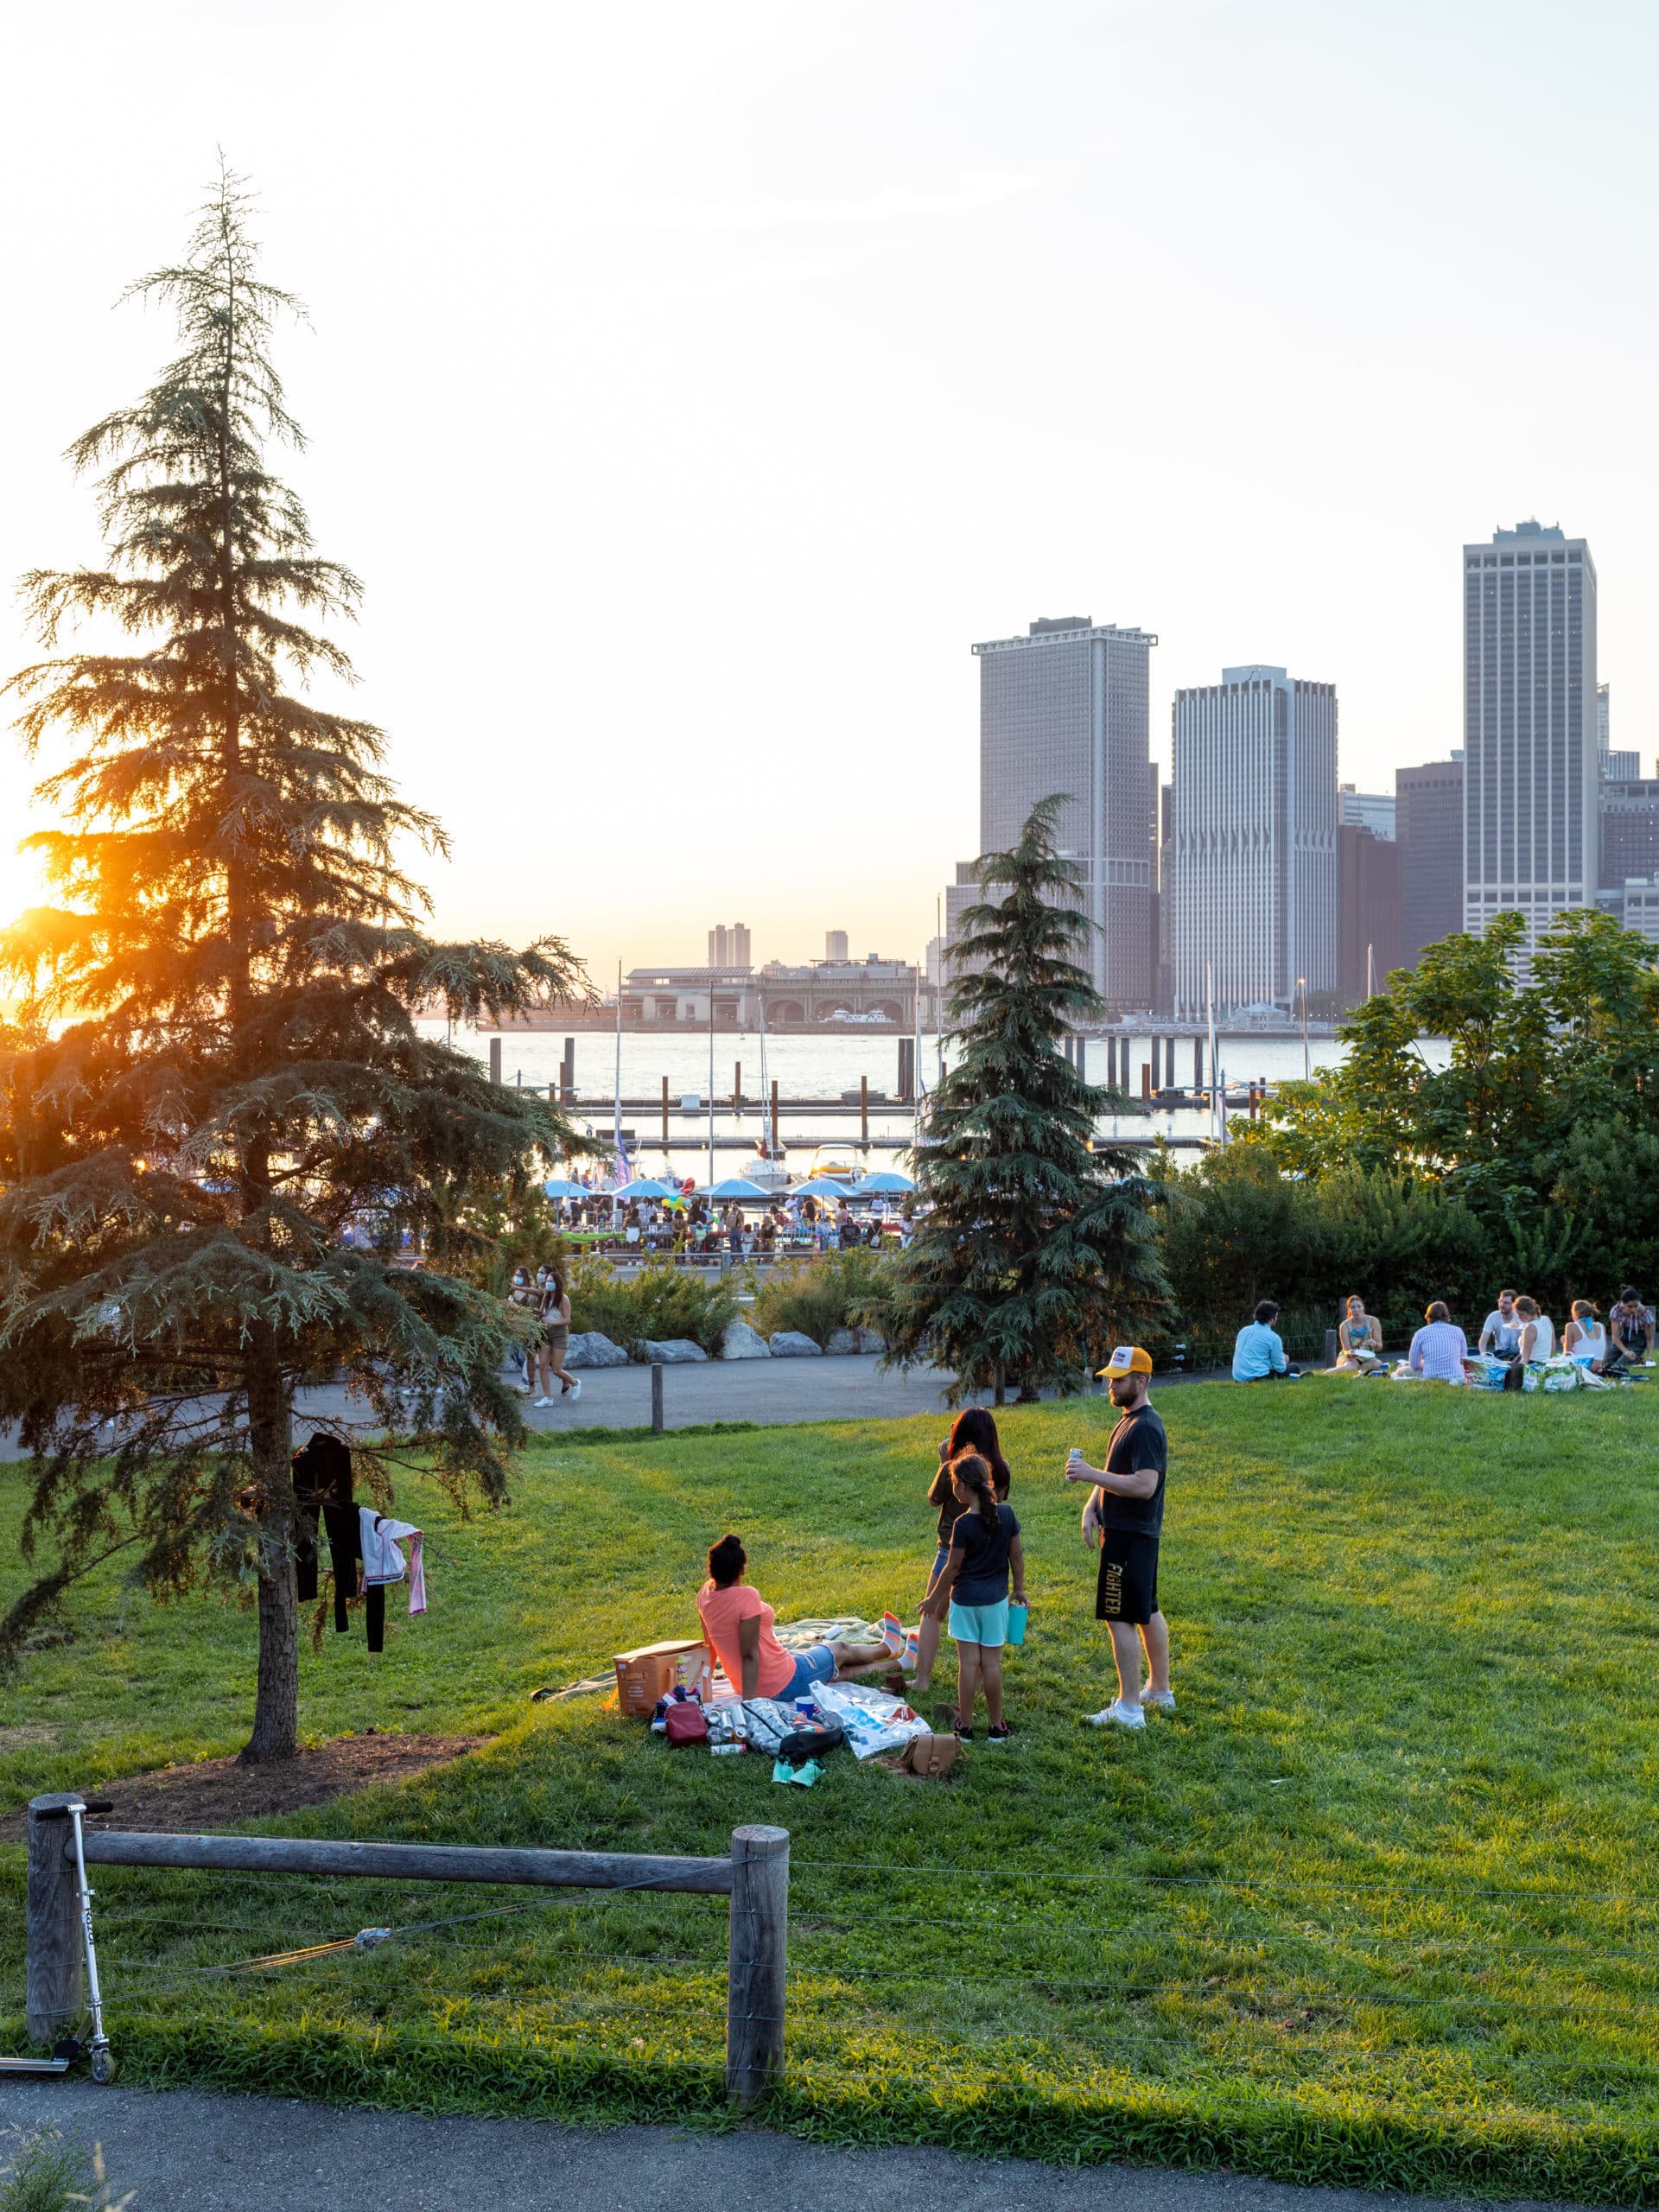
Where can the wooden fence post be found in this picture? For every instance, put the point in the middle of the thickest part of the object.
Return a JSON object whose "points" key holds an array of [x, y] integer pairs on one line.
{"points": [[53, 2002], [656, 1397], [758, 1961], [1332, 1345]]}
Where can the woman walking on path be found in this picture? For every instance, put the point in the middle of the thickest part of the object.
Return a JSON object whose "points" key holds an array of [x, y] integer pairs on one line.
{"points": [[556, 1337], [984, 1555], [973, 1430]]}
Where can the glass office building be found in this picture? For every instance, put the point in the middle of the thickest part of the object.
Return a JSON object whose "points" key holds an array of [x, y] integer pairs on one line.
{"points": [[1064, 710], [1531, 756]]}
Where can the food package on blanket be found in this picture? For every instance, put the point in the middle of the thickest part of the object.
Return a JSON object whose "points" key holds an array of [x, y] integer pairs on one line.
{"points": [[761, 1723], [654, 1671], [874, 1720]]}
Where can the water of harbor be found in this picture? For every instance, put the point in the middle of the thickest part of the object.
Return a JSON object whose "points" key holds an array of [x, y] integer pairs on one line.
{"points": [[826, 1067]]}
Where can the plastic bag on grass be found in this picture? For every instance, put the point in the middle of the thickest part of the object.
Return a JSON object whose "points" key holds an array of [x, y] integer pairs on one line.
{"points": [[874, 1721]]}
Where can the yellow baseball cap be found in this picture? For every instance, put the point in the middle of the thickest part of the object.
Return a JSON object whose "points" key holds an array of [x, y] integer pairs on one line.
{"points": [[1127, 1359]]}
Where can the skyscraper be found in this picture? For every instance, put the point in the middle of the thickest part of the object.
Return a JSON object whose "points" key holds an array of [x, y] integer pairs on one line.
{"points": [[1253, 852], [729, 947], [1531, 760], [1063, 708], [834, 945], [1630, 830], [1368, 922], [1428, 811]]}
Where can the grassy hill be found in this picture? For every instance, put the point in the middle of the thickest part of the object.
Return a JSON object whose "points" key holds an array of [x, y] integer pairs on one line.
{"points": [[1378, 1904]]}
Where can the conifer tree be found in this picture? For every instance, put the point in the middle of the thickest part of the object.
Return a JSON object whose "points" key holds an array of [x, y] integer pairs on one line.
{"points": [[219, 1066], [1038, 1247]]}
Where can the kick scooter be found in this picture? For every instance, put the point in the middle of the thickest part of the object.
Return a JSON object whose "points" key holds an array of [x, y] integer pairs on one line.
{"points": [[71, 2049]]}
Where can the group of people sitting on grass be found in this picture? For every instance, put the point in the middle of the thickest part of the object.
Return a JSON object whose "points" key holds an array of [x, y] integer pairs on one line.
{"points": [[1517, 1334]]}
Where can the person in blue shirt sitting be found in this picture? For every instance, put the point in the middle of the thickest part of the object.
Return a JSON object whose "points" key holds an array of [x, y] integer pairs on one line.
{"points": [[1258, 1352]]}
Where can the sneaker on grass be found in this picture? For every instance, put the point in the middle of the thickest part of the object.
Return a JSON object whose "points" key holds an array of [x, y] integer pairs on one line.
{"points": [[1118, 1714], [999, 1734], [1157, 1701]]}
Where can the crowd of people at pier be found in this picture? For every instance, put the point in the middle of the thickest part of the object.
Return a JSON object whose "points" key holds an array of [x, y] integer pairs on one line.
{"points": [[1516, 1348], [698, 1228]]}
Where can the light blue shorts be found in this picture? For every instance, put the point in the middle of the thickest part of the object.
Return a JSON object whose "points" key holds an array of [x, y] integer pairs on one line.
{"points": [[979, 1623], [817, 1665]]}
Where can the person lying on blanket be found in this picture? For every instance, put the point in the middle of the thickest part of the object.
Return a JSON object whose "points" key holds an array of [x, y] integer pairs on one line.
{"points": [[738, 1628]]}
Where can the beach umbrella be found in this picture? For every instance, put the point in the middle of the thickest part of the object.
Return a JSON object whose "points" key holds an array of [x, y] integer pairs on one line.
{"points": [[645, 1187], [561, 1186], [821, 1186], [739, 1187], [884, 1183]]}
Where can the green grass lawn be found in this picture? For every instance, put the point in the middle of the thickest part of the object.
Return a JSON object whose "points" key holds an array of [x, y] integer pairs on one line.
{"points": [[1378, 1904]]}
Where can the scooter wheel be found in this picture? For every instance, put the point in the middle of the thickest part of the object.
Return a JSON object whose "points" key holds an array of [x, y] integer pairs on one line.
{"points": [[103, 2067]]}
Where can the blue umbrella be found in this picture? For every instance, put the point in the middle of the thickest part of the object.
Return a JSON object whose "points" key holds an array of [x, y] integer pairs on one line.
{"points": [[645, 1187], [884, 1182], [737, 1186], [561, 1186]]}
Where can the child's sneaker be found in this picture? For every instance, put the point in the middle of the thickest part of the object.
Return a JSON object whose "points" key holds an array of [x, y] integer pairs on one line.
{"points": [[965, 1735], [999, 1734]]}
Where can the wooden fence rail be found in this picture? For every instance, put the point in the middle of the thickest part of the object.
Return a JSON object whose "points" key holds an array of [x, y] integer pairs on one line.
{"points": [[755, 1877]]}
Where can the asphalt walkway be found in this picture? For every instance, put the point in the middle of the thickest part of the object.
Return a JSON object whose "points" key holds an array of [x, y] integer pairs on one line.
{"points": [[183, 2150]]}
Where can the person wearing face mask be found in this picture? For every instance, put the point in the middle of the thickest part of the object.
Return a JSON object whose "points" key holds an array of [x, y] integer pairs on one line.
{"points": [[1124, 1521]]}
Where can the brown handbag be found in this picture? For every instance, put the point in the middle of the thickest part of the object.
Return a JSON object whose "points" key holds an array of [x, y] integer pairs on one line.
{"points": [[933, 1756]]}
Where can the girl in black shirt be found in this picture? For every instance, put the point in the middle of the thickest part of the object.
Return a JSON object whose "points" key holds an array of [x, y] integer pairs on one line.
{"points": [[973, 1430]]}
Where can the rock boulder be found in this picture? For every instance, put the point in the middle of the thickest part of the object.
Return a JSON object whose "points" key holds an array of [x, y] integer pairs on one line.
{"points": [[589, 1349], [670, 1351], [841, 1342], [791, 1344], [742, 1342]]}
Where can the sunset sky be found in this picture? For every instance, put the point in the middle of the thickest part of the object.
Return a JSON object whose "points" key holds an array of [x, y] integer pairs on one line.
{"points": [[692, 385]]}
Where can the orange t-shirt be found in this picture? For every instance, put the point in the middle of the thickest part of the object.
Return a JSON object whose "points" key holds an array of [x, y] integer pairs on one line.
{"points": [[720, 1611]]}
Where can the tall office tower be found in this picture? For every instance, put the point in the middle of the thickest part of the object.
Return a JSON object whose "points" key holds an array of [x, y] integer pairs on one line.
{"points": [[1372, 810], [729, 947], [834, 945], [1063, 708], [1429, 807], [1531, 766], [1630, 830], [1616, 767], [1368, 910], [1255, 843]]}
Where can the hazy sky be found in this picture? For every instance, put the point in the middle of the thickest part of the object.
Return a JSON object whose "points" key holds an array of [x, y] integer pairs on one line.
{"points": [[692, 384]]}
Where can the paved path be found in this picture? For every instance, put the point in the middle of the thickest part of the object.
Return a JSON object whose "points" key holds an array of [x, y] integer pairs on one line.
{"points": [[183, 2148], [765, 1390]]}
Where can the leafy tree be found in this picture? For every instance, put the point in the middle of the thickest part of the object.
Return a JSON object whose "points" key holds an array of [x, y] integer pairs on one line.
{"points": [[1534, 1120], [221, 1069], [1038, 1246]]}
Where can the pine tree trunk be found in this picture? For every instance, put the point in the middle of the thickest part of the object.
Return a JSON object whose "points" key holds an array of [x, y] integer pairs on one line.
{"points": [[276, 1694]]}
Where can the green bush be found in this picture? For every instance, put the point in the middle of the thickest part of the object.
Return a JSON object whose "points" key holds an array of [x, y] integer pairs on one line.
{"points": [[46, 2173], [661, 1300], [842, 1290]]}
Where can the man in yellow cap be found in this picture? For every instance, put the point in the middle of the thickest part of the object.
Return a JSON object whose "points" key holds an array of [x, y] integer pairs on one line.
{"points": [[1124, 1520]]}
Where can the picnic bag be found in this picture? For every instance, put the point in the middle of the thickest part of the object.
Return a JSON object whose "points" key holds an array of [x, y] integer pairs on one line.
{"points": [[686, 1723], [931, 1756]]}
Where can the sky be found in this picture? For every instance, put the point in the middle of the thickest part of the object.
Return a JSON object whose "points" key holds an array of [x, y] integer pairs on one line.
{"points": [[691, 386]]}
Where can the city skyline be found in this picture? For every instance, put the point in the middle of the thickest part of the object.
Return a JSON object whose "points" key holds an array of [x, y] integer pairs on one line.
{"points": [[651, 391]]}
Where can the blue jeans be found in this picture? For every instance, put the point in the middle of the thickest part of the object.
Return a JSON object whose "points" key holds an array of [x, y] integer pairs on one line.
{"points": [[817, 1665]]}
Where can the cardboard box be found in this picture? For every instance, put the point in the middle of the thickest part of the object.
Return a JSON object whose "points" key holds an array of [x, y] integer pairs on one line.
{"points": [[652, 1672]]}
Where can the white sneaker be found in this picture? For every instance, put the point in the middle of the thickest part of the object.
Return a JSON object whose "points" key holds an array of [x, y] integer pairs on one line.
{"points": [[576, 1388], [1154, 1701], [542, 1402], [1118, 1714]]}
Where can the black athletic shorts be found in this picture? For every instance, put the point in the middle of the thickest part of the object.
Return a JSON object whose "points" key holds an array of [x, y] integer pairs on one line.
{"points": [[1128, 1588]]}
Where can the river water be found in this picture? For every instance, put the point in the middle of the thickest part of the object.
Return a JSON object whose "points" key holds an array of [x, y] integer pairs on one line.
{"points": [[824, 1067]]}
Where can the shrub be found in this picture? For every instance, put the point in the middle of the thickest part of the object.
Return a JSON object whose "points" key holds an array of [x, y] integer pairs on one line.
{"points": [[662, 1300], [839, 1291], [49, 2173]]}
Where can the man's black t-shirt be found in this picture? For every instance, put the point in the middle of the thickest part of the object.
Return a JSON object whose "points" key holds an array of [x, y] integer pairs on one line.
{"points": [[1138, 1442]]}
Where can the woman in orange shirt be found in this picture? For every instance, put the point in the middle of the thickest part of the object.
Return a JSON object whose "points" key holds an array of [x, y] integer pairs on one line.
{"points": [[737, 1626]]}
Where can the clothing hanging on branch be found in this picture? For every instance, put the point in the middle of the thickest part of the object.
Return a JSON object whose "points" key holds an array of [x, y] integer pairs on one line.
{"points": [[383, 1562]]}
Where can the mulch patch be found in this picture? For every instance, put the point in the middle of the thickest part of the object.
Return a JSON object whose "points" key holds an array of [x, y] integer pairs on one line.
{"points": [[219, 1793]]}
